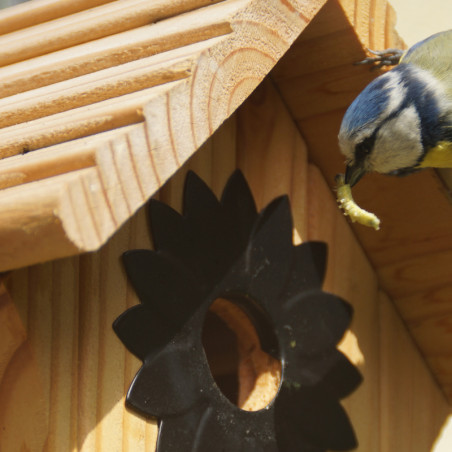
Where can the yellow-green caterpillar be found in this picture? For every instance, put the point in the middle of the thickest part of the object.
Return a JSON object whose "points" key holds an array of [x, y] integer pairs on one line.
{"points": [[350, 208]]}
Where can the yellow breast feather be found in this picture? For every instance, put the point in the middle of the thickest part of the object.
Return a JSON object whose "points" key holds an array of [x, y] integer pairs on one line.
{"points": [[438, 157]]}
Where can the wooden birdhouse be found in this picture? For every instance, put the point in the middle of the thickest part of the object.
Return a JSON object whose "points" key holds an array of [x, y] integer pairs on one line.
{"points": [[107, 104]]}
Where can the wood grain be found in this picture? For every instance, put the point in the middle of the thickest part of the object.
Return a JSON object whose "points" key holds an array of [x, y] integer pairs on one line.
{"points": [[117, 49], [88, 25], [215, 56], [21, 391], [404, 376], [350, 276], [67, 307], [272, 154], [22, 16], [427, 315], [411, 252]]}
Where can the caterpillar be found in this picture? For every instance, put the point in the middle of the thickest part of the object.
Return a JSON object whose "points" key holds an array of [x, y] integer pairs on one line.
{"points": [[350, 208]]}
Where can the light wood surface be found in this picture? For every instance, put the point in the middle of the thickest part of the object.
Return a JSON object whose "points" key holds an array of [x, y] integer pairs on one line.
{"points": [[404, 375], [167, 85], [66, 307], [22, 404], [72, 196], [91, 23], [21, 16], [412, 251]]}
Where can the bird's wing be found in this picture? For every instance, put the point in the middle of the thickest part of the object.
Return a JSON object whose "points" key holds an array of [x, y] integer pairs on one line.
{"points": [[434, 54]]}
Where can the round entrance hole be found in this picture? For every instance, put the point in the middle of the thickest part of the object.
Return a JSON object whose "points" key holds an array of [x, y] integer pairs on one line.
{"points": [[247, 375]]}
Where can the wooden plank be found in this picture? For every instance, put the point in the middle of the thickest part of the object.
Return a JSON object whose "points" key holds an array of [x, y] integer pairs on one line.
{"points": [[411, 252], [25, 212], [272, 154], [428, 316], [413, 407], [176, 122], [84, 367], [21, 16], [21, 390], [117, 49], [89, 89], [93, 23], [79, 122], [63, 96], [350, 276], [418, 274], [55, 160]]}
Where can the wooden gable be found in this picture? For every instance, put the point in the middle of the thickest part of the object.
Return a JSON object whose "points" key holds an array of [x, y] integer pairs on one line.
{"points": [[132, 95], [112, 100]]}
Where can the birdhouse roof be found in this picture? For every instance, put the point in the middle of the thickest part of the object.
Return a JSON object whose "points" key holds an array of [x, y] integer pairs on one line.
{"points": [[102, 102], [113, 98]]}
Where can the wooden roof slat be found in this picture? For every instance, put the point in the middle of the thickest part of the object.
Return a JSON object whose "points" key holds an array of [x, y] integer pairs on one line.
{"points": [[77, 209], [88, 25], [31, 13], [82, 91], [38, 205], [54, 160], [77, 123], [88, 187], [118, 49]]}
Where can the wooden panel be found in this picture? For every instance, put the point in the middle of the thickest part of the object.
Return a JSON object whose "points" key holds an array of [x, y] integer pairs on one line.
{"points": [[21, 16], [69, 29], [264, 142], [67, 306], [70, 305], [177, 79], [413, 407], [411, 253], [428, 316], [21, 391], [272, 154], [350, 276]]}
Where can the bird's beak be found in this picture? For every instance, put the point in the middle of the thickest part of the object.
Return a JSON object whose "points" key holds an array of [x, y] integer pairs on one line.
{"points": [[353, 173]]}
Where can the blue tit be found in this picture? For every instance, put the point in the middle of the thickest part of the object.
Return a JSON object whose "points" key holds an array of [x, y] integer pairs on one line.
{"points": [[402, 121]]}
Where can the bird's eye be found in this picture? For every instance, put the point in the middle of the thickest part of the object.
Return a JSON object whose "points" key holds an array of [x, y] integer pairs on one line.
{"points": [[364, 148]]}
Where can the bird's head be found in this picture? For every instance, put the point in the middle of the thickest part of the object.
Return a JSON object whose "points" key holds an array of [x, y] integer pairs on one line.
{"points": [[386, 128]]}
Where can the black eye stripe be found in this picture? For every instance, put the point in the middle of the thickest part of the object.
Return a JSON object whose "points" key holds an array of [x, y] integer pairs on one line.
{"points": [[364, 148]]}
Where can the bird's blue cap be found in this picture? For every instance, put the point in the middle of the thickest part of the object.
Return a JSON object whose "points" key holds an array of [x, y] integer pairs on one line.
{"points": [[367, 107]]}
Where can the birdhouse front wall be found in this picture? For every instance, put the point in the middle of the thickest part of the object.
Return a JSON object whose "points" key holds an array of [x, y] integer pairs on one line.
{"points": [[82, 171], [64, 373]]}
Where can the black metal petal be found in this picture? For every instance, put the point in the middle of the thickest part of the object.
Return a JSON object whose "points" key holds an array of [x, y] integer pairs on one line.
{"points": [[239, 204], [312, 416], [199, 200], [269, 253], [224, 249], [332, 369], [314, 322], [309, 267], [212, 233], [143, 331], [343, 378], [168, 229], [165, 284], [169, 383]]}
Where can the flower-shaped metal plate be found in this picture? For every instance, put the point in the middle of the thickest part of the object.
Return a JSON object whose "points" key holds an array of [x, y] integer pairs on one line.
{"points": [[225, 248]]}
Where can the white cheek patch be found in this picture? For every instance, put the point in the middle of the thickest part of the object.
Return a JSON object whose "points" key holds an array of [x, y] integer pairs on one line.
{"points": [[398, 143], [396, 93]]}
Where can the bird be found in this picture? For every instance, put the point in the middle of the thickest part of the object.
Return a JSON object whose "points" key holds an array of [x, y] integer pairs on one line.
{"points": [[402, 121]]}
